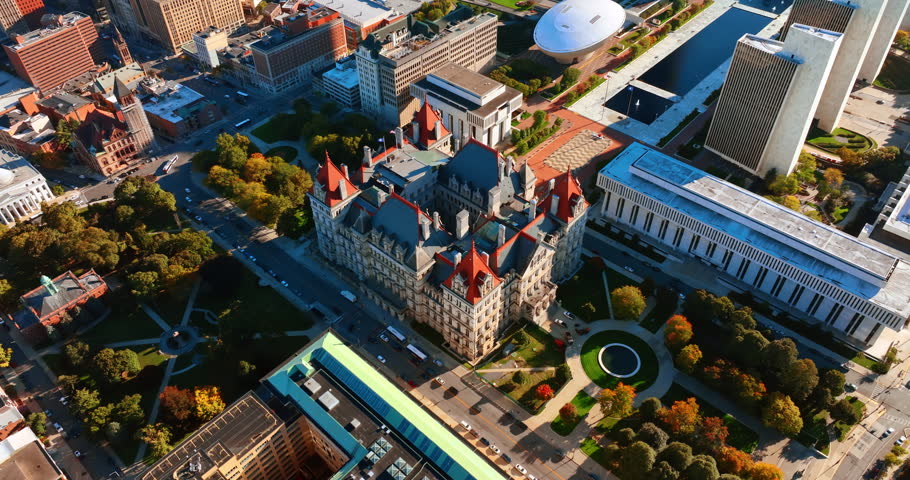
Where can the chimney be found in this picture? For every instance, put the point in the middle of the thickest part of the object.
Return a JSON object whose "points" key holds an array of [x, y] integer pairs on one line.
{"points": [[342, 188], [551, 184], [532, 210], [381, 196], [437, 129], [457, 258], [501, 235], [344, 170], [415, 132], [367, 156], [437, 223], [461, 224], [425, 229], [399, 137], [486, 258], [554, 204], [510, 165], [456, 145]]}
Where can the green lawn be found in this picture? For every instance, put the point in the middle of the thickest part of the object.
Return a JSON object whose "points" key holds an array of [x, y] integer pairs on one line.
{"points": [[524, 393], [540, 351], [583, 404], [658, 316], [589, 360], [254, 308], [587, 286], [592, 449], [124, 323], [285, 152], [283, 126], [895, 74], [840, 137], [741, 436], [149, 355]]}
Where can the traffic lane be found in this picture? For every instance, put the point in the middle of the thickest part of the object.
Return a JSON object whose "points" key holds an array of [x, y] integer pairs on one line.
{"points": [[643, 269], [859, 466]]}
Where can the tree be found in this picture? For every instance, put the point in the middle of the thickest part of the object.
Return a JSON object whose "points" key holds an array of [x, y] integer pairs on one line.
{"points": [[519, 377], [232, 158], [144, 196], [663, 471], [143, 284], [128, 409], [617, 402], [782, 414], [833, 381], [77, 353], [791, 202], [843, 411], [158, 437], [652, 435], [245, 368], [65, 130], [68, 383], [682, 417], [784, 185], [563, 373], [256, 168], [702, 467], [567, 413], [38, 423], [722, 308], [688, 358], [834, 177], [6, 356], [805, 168], [742, 317], [98, 418], [520, 338], [677, 454], [628, 302], [114, 365], [636, 461], [64, 217], [749, 389], [85, 400], [177, 404], [747, 347], [733, 460], [624, 437], [677, 332], [777, 356], [543, 392], [649, 408], [294, 223], [712, 433], [113, 431], [800, 379], [208, 402], [765, 471], [588, 310]]}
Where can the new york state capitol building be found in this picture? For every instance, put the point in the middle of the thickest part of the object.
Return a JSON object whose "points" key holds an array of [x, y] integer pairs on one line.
{"points": [[466, 243]]}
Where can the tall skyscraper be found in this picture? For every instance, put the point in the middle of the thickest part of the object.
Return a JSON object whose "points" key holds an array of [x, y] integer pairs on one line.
{"points": [[771, 91], [394, 57], [173, 22], [891, 20], [133, 116], [858, 21], [66, 48]]}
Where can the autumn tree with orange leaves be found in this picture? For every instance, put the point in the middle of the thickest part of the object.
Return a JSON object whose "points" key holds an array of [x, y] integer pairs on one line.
{"points": [[765, 471], [678, 332], [682, 417], [617, 402], [734, 461]]}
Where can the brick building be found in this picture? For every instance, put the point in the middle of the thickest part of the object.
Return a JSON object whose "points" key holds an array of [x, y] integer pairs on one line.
{"points": [[173, 22], [46, 305]]}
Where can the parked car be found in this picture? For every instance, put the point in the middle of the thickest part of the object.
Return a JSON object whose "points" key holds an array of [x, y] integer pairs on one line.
{"points": [[484, 441], [58, 427], [900, 441], [506, 458], [569, 315], [439, 380], [438, 362], [380, 358], [850, 387], [888, 432], [383, 337], [466, 425], [521, 469], [559, 321]]}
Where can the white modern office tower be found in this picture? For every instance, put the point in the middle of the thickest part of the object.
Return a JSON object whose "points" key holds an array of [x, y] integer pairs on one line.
{"points": [[893, 15], [858, 21], [770, 93], [797, 265]]}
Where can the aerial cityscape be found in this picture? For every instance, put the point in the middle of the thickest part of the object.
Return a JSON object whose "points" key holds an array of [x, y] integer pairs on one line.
{"points": [[455, 239]]}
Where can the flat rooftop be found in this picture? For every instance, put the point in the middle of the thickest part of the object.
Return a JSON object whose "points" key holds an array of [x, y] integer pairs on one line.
{"points": [[326, 359], [343, 74], [783, 233], [68, 20], [898, 223], [232, 433], [30, 462], [165, 106], [467, 80], [361, 13]]}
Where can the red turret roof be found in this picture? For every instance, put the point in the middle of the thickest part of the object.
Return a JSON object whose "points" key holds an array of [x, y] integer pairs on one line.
{"points": [[569, 192], [426, 120], [328, 177], [474, 270]]}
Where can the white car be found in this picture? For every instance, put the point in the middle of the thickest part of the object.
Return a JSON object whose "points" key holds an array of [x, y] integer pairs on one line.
{"points": [[466, 425], [629, 269], [900, 441], [380, 358], [58, 427], [888, 432], [440, 381], [495, 449], [521, 469], [187, 190], [188, 199], [383, 337], [64, 400]]}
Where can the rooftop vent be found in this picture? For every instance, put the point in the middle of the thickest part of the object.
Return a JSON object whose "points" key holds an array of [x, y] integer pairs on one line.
{"points": [[312, 386], [328, 400], [595, 19]]}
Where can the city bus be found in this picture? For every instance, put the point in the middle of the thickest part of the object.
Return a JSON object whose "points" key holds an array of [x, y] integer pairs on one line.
{"points": [[395, 333], [242, 123], [169, 163], [416, 352]]}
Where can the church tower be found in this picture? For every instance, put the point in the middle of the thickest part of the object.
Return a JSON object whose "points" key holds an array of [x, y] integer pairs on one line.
{"points": [[123, 50], [134, 116]]}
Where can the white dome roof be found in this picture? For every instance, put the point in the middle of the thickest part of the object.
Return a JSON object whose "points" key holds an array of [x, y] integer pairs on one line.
{"points": [[575, 25], [6, 176]]}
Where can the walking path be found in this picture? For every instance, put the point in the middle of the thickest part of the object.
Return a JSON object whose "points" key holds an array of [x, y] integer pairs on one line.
{"points": [[524, 369], [154, 316]]}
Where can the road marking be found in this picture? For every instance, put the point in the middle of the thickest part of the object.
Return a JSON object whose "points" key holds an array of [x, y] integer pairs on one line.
{"points": [[510, 437]]}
